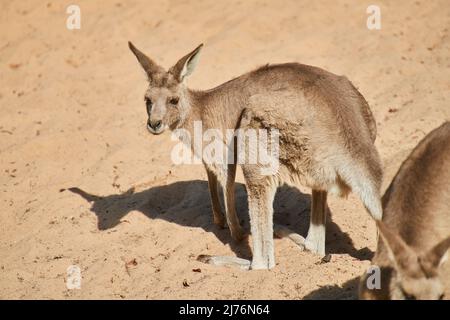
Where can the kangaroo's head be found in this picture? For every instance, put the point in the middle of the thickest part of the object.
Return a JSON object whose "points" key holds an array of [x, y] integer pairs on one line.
{"points": [[167, 98], [415, 275]]}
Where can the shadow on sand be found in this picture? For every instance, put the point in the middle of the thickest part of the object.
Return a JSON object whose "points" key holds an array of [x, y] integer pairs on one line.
{"points": [[187, 203], [348, 291]]}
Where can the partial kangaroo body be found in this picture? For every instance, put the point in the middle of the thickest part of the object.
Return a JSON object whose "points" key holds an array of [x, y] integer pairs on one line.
{"points": [[326, 134], [415, 230]]}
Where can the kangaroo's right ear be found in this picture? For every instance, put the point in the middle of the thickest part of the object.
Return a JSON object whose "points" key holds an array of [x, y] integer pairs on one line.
{"points": [[149, 66], [436, 255], [400, 254], [186, 65]]}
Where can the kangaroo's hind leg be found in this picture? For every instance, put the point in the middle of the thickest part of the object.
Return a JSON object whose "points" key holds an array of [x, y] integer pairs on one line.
{"points": [[261, 193], [219, 219], [315, 240], [260, 203], [228, 186]]}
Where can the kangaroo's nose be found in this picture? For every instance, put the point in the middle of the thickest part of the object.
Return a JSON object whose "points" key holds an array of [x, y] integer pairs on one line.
{"points": [[155, 125]]}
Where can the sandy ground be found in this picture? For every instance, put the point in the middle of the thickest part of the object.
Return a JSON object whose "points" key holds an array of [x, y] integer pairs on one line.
{"points": [[72, 115]]}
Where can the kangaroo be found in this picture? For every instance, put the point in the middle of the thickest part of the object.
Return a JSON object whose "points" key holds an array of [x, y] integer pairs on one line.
{"points": [[326, 134], [415, 229]]}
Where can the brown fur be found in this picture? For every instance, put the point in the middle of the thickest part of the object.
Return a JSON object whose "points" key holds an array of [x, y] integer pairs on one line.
{"points": [[416, 219], [326, 139]]}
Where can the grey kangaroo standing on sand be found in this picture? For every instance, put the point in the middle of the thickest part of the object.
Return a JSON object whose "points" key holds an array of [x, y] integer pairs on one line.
{"points": [[326, 134], [415, 229]]}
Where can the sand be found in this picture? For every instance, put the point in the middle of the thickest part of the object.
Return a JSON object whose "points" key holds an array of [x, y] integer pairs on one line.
{"points": [[72, 116]]}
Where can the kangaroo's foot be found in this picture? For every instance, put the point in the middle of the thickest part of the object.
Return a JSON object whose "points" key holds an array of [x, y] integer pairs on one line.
{"points": [[315, 241], [263, 263], [243, 264], [284, 232], [222, 261]]}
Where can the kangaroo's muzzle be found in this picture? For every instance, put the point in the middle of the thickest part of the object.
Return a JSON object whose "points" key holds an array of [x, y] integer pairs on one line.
{"points": [[155, 127]]}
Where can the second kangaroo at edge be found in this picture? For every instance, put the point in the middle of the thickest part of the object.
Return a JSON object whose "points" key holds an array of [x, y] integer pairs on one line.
{"points": [[415, 229], [327, 135]]}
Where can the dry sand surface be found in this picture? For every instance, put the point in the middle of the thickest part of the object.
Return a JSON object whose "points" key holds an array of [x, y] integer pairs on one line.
{"points": [[72, 115]]}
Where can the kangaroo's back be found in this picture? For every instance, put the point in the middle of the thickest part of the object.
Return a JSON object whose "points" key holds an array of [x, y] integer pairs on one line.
{"points": [[326, 109], [318, 87]]}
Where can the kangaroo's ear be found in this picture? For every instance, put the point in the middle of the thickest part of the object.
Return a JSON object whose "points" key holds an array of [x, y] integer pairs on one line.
{"points": [[436, 255], [150, 67], [186, 65], [400, 254]]}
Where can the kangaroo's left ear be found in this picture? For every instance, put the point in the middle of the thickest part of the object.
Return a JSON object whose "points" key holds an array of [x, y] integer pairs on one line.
{"points": [[186, 65]]}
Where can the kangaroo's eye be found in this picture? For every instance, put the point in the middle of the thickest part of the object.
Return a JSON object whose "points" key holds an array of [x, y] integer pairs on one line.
{"points": [[174, 101], [148, 104]]}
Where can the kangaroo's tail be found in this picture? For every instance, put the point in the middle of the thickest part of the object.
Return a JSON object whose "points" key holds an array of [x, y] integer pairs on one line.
{"points": [[365, 180]]}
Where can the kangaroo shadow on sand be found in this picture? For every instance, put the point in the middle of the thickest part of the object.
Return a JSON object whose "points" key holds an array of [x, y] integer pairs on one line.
{"points": [[348, 291], [187, 203]]}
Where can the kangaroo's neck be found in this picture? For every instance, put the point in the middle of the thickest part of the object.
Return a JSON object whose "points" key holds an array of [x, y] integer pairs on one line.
{"points": [[195, 100], [217, 108]]}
